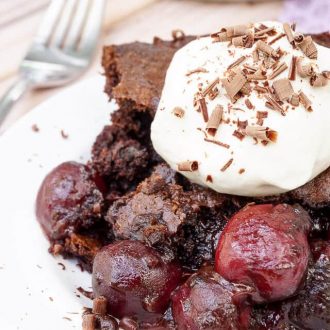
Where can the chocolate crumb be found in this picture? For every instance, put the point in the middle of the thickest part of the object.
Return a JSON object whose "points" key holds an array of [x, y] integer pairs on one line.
{"points": [[241, 171], [64, 135], [35, 128], [230, 161], [209, 178], [178, 112], [51, 299]]}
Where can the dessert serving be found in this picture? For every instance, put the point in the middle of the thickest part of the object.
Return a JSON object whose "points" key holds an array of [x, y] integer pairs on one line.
{"points": [[206, 202]]}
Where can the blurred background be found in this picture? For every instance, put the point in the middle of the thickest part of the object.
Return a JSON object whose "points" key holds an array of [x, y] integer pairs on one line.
{"points": [[129, 20]]}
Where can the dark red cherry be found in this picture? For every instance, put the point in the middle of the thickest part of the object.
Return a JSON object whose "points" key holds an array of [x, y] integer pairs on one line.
{"points": [[206, 301], [68, 200], [265, 246], [135, 280]]}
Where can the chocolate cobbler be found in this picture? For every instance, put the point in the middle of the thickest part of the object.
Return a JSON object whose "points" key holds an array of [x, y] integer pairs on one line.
{"points": [[206, 201]]}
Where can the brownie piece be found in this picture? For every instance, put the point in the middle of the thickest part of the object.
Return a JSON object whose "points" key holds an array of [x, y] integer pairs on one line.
{"points": [[183, 222], [135, 72]]}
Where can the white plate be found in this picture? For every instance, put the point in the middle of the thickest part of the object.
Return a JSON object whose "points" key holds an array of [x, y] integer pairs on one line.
{"points": [[35, 292]]}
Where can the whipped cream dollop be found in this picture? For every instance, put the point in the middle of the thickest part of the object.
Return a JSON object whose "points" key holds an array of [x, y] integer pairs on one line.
{"points": [[294, 145]]}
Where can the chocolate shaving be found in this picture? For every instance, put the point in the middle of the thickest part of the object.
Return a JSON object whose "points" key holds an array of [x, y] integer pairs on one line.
{"points": [[306, 70], [241, 171], [219, 143], [255, 56], [249, 104], [289, 33], [278, 70], [292, 68], [197, 70], [224, 167], [188, 166], [306, 102], [261, 115], [258, 75], [318, 80], [214, 121], [203, 108], [260, 89], [261, 133], [100, 305], [235, 85], [237, 62], [88, 322], [211, 87], [265, 48], [239, 135], [265, 30], [283, 89], [242, 123], [294, 99], [275, 105], [307, 46], [178, 112], [280, 36]]}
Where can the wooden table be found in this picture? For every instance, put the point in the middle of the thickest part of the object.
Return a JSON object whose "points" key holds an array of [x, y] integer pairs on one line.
{"points": [[125, 21]]}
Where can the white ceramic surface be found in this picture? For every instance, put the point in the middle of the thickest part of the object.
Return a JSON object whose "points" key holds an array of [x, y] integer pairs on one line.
{"points": [[36, 294]]}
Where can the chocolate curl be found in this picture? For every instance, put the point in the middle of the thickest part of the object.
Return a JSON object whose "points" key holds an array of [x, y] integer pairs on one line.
{"points": [[261, 133], [305, 101], [236, 31], [220, 37], [178, 112], [318, 80], [239, 41], [295, 99], [234, 85], [306, 70], [265, 48], [215, 120], [326, 74], [283, 89], [306, 45], [278, 70], [100, 305], [289, 33], [178, 35], [88, 322], [188, 166]]}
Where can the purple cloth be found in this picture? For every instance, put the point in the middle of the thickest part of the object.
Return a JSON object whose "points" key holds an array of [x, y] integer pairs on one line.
{"points": [[311, 16]]}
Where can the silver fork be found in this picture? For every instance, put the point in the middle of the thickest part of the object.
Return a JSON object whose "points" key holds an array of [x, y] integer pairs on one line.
{"points": [[62, 49]]}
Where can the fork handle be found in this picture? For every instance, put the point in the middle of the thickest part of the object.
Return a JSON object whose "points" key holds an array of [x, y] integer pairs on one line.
{"points": [[13, 94]]}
